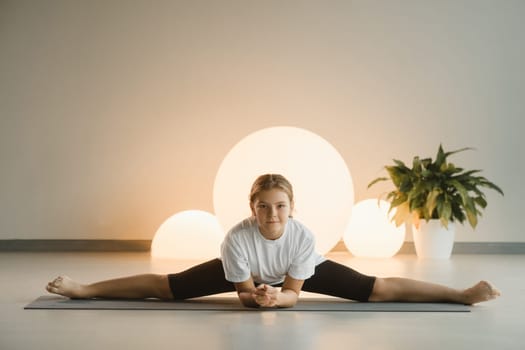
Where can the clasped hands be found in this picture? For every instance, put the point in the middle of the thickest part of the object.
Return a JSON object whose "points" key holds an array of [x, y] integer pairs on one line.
{"points": [[265, 295]]}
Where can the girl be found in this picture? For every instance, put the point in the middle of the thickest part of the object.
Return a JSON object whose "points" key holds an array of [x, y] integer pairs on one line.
{"points": [[268, 259]]}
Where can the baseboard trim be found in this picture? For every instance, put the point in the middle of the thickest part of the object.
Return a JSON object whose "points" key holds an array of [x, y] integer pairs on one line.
{"points": [[121, 245], [464, 248], [74, 245]]}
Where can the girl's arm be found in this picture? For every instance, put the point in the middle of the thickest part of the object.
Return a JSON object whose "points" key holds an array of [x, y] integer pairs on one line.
{"points": [[245, 291]]}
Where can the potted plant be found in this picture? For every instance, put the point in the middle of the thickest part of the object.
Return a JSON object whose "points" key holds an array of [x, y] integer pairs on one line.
{"points": [[433, 196]]}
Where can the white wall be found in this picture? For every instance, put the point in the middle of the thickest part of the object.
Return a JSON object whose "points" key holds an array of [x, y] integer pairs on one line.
{"points": [[116, 114]]}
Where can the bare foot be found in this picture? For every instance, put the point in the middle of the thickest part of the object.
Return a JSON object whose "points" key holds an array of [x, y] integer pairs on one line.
{"points": [[65, 286], [482, 291]]}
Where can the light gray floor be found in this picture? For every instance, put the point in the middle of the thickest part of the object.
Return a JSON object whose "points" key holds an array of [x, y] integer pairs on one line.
{"points": [[497, 324]]}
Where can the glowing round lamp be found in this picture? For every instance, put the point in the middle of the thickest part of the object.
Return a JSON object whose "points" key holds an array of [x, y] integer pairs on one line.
{"points": [[323, 188], [191, 235], [370, 232]]}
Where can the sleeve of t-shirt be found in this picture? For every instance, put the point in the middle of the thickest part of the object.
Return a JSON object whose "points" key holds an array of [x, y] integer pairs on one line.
{"points": [[234, 261], [303, 264]]}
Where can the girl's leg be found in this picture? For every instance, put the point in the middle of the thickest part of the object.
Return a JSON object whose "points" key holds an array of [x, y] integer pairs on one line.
{"points": [[133, 287], [404, 289], [200, 280], [334, 279]]}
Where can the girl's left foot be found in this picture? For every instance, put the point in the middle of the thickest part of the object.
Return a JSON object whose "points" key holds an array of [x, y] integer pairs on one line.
{"points": [[482, 291]]}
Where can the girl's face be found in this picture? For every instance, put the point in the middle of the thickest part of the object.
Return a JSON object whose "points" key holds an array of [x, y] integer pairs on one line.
{"points": [[272, 209]]}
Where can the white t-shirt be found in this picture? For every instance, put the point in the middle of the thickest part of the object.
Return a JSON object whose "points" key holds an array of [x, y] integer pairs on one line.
{"points": [[245, 252]]}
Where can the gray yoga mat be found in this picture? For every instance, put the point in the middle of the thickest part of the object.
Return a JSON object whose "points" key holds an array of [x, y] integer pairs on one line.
{"points": [[233, 304]]}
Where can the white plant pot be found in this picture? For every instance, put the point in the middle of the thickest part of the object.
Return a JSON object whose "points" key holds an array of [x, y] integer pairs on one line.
{"points": [[433, 241]]}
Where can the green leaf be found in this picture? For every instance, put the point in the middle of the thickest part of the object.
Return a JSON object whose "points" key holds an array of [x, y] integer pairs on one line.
{"points": [[481, 201], [425, 163], [401, 165], [458, 150], [416, 165], [444, 222], [440, 157], [396, 175], [402, 214], [405, 185], [377, 180], [444, 208], [462, 191], [398, 201], [391, 195], [486, 183], [469, 173], [472, 218], [431, 202], [446, 212], [452, 169]]}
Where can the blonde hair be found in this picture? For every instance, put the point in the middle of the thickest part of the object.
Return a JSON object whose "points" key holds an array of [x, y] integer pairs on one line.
{"points": [[269, 182]]}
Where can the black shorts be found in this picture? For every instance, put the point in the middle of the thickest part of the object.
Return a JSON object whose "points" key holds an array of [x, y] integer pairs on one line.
{"points": [[330, 278]]}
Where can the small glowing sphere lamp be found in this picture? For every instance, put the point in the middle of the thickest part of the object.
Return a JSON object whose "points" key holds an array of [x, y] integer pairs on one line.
{"points": [[188, 235], [323, 187], [371, 233]]}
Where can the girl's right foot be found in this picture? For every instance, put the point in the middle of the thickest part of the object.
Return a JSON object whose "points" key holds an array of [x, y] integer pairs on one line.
{"points": [[65, 286]]}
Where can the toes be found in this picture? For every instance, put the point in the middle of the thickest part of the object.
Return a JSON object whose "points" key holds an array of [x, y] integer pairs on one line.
{"points": [[53, 286], [56, 282], [482, 291], [493, 291]]}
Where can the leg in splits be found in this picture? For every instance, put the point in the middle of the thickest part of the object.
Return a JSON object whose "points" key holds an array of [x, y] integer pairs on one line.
{"points": [[404, 289], [132, 287], [335, 279], [201, 280]]}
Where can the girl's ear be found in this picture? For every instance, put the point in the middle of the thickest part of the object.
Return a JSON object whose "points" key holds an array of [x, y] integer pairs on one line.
{"points": [[252, 209]]}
